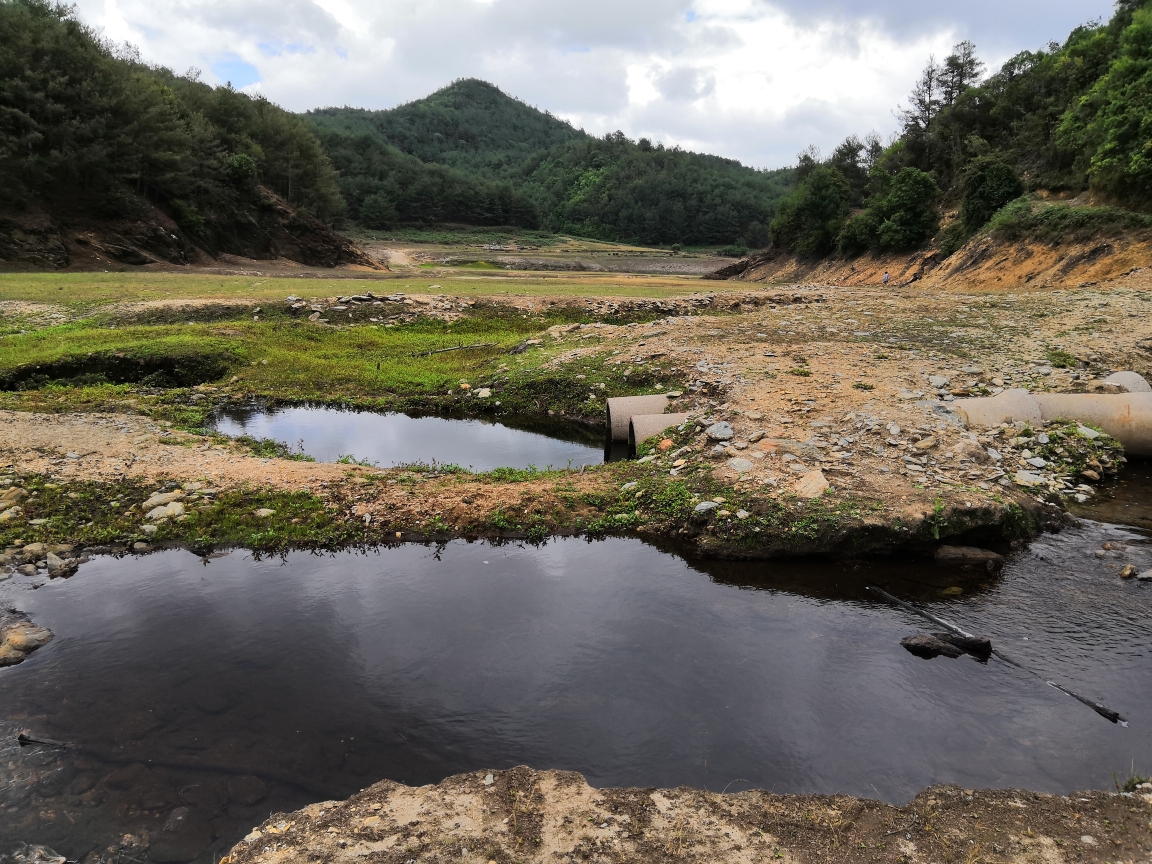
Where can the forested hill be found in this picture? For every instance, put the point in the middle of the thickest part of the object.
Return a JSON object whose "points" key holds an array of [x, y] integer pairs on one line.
{"points": [[469, 125], [1001, 154], [162, 164], [478, 155]]}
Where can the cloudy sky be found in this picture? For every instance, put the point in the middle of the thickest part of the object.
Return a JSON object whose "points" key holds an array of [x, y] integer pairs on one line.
{"points": [[757, 80]]}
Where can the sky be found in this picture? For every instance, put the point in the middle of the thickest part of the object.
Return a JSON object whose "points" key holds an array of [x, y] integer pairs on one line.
{"points": [[754, 80]]}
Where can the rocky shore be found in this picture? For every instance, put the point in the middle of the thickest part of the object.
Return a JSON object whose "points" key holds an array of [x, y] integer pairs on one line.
{"points": [[525, 816]]}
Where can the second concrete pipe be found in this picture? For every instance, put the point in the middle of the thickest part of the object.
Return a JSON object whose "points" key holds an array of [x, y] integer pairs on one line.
{"points": [[643, 426], [621, 408]]}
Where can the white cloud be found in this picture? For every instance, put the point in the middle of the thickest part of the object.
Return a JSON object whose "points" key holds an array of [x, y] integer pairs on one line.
{"points": [[748, 79]]}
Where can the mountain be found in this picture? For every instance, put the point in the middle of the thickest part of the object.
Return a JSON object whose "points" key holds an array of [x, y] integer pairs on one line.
{"points": [[469, 125], [529, 168]]}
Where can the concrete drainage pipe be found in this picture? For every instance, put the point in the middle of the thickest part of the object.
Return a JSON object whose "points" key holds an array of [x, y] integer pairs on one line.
{"points": [[1127, 417], [621, 408], [643, 426]]}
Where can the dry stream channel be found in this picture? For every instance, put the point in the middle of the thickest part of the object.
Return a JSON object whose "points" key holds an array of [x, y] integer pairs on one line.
{"points": [[198, 693]]}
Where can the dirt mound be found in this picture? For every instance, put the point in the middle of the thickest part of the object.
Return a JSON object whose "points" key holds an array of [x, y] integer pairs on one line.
{"points": [[984, 263], [36, 237]]}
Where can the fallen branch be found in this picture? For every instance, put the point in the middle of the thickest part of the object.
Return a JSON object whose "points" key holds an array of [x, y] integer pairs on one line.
{"points": [[457, 348], [1106, 713]]}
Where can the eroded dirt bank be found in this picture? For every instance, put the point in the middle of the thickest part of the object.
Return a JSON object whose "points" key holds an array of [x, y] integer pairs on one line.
{"points": [[523, 815]]}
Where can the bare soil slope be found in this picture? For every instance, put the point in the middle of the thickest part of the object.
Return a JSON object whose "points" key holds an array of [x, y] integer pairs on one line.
{"points": [[39, 238], [983, 264]]}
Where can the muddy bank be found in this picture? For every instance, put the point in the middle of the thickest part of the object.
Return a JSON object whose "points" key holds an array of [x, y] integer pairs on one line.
{"points": [[524, 815]]}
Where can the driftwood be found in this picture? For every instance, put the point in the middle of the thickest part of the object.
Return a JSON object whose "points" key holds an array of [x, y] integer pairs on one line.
{"points": [[25, 739], [457, 348], [1106, 713]]}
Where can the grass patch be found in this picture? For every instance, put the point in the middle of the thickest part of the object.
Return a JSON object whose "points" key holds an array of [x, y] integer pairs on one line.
{"points": [[1030, 219]]}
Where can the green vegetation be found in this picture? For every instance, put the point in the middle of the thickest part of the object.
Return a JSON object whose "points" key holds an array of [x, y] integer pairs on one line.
{"points": [[1031, 219], [484, 156], [88, 129], [1071, 117]]}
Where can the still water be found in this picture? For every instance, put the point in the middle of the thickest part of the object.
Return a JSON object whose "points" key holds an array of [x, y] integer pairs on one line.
{"points": [[319, 674], [327, 434]]}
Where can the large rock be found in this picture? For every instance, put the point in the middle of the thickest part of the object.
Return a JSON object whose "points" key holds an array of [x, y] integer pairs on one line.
{"points": [[811, 485], [928, 647], [720, 431]]}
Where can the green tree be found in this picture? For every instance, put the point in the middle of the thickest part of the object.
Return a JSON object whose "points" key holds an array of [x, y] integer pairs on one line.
{"points": [[811, 217], [989, 184]]}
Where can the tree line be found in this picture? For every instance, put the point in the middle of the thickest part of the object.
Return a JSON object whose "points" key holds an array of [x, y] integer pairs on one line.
{"points": [[88, 128], [1071, 117]]}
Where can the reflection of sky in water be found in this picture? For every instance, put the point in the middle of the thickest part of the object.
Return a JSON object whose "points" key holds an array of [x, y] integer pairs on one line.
{"points": [[396, 439], [611, 658]]}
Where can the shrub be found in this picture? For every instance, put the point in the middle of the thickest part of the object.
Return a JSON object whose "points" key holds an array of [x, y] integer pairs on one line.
{"points": [[988, 185]]}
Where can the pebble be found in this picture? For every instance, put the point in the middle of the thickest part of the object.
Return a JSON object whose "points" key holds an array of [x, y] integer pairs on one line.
{"points": [[705, 506], [925, 443], [1146, 576], [627, 487], [264, 512], [141, 547], [740, 466], [1037, 462]]}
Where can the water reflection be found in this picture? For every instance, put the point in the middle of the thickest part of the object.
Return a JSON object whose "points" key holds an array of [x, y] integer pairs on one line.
{"points": [[327, 434]]}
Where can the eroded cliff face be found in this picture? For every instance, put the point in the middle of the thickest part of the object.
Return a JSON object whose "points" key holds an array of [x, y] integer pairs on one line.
{"points": [[46, 239], [983, 264], [523, 815]]}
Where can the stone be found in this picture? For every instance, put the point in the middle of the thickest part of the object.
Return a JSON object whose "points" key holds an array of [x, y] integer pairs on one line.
{"points": [[968, 554], [811, 485], [149, 530], [1028, 478], [893, 430], [742, 514], [966, 448], [665, 445], [740, 465], [141, 547], [906, 394], [1037, 462], [11, 513], [925, 443], [129, 777], [184, 836], [12, 494], [1128, 571], [26, 569], [927, 647], [994, 455], [158, 499], [483, 393], [34, 549], [1088, 840], [720, 431], [166, 511], [938, 382], [489, 779], [1089, 474], [1090, 434], [629, 486], [754, 415], [705, 506], [246, 790], [756, 436], [1146, 576], [264, 513]]}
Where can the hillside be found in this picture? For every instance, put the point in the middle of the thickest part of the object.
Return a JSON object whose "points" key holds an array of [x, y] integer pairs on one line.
{"points": [[1072, 118], [147, 165], [484, 156], [469, 125]]}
